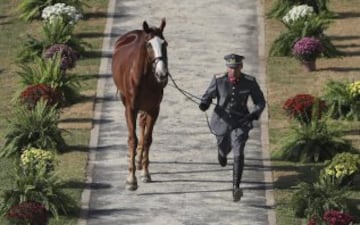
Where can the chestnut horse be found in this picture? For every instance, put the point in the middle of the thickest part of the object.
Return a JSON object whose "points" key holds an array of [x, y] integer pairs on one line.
{"points": [[140, 73]]}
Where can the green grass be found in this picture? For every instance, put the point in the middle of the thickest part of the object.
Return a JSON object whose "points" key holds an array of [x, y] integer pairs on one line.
{"points": [[72, 164]]}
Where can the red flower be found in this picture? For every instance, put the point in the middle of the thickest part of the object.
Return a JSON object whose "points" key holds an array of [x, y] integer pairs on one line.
{"points": [[334, 217], [32, 94], [31, 213], [300, 107]]}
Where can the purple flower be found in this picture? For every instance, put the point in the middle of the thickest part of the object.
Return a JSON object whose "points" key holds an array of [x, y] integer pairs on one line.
{"points": [[68, 55], [307, 49]]}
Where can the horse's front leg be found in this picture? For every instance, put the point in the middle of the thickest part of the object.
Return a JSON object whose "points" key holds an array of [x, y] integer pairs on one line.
{"points": [[131, 182], [140, 147], [150, 122]]}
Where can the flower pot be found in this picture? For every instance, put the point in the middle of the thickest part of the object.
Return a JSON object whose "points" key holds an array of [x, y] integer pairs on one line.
{"points": [[309, 66]]}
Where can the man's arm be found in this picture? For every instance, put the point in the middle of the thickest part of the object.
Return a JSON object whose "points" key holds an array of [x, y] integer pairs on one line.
{"points": [[209, 94], [258, 99]]}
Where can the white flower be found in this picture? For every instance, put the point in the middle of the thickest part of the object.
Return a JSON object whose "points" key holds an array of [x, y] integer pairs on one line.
{"points": [[297, 12], [67, 12]]}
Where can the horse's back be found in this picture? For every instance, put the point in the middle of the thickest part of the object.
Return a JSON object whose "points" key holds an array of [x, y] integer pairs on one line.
{"points": [[126, 55]]}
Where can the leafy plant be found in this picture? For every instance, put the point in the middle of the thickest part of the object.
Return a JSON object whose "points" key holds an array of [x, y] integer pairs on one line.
{"points": [[38, 186], [27, 213], [342, 102], [49, 72], [313, 199], [313, 26], [314, 142], [36, 128], [29, 49]]}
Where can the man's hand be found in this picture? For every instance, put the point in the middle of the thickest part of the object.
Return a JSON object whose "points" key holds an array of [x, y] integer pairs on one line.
{"points": [[203, 107], [253, 116]]}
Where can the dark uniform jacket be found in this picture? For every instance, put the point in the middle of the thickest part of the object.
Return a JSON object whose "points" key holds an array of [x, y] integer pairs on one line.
{"points": [[231, 109]]}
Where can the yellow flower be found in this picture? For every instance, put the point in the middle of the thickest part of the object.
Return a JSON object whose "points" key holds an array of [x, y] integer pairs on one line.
{"points": [[37, 159]]}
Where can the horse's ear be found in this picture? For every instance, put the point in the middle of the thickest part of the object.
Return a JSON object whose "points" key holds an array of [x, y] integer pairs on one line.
{"points": [[146, 27], [162, 25]]}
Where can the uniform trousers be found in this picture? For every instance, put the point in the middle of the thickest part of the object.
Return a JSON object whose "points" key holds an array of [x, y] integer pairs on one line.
{"points": [[233, 140]]}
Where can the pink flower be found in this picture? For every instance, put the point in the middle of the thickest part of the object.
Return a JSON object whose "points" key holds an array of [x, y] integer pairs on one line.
{"points": [[307, 49], [334, 217]]}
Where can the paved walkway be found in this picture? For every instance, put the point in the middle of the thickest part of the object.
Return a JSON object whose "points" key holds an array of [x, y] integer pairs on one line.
{"points": [[189, 187]]}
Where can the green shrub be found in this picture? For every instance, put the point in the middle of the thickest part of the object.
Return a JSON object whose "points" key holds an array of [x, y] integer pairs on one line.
{"points": [[313, 26], [314, 142], [49, 71], [38, 186], [35, 128], [313, 199], [342, 102]]}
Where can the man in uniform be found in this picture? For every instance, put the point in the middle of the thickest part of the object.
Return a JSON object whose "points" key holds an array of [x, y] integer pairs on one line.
{"points": [[231, 120]]}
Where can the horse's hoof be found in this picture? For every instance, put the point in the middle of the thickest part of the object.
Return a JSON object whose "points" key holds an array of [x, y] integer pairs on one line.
{"points": [[146, 179], [131, 187]]}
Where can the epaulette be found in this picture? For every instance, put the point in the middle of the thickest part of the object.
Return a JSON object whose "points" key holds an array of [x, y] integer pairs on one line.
{"points": [[220, 75], [248, 77]]}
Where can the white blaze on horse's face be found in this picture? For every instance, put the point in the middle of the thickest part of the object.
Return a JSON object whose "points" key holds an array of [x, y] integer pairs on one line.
{"points": [[160, 60]]}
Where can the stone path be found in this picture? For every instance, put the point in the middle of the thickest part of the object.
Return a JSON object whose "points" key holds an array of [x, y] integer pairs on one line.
{"points": [[189, 187]]}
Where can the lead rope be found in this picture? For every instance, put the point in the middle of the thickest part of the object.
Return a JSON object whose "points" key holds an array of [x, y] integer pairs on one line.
{"points": [[191, 97]]}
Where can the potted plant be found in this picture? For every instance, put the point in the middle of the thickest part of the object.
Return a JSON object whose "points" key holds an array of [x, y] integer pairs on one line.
{"points": [[307, 50]]}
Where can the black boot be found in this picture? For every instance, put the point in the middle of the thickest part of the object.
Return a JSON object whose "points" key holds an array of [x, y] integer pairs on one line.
{"points": [[237, 174], [222, 160]]}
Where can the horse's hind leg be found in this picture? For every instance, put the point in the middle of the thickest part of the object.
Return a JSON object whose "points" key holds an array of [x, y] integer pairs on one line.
{"points": [[150, 122], [131, 182]]}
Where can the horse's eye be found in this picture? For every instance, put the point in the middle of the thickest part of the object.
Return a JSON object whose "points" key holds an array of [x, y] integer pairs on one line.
{"points": [[148, 45]]}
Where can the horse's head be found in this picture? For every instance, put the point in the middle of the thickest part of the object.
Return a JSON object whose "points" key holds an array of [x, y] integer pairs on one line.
{"points": [[156, 47]]}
